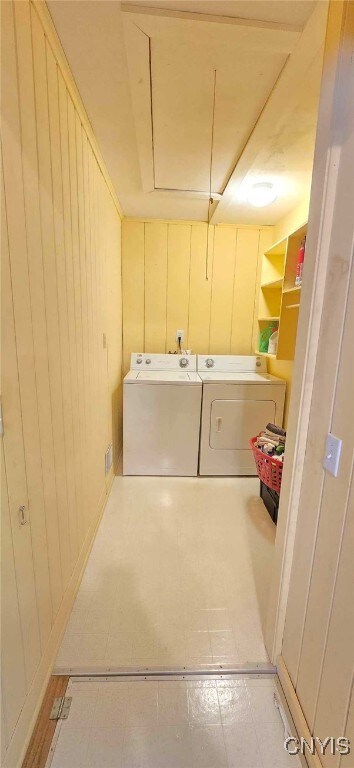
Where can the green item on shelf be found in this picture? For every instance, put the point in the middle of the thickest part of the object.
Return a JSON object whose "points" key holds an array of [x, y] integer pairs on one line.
{"points": [[265, 336]]}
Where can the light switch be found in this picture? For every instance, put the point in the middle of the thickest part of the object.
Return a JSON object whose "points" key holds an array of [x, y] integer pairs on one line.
{"points": [[332, 454]]}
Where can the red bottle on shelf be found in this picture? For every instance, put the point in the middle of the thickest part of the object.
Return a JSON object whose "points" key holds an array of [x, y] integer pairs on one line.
{"points": [[300, 263]]}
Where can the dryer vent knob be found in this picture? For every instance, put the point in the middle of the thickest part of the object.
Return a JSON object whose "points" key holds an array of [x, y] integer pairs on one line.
{"points": [[209, 362], [183, 362]]}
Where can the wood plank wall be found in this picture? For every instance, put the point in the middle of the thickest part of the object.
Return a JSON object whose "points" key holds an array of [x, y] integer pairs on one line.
{"points": [[62, 355], [165, 286], [318, 640]]}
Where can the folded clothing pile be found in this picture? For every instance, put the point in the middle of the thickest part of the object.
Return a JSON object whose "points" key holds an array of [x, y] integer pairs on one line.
{"points": [[272, 441]]}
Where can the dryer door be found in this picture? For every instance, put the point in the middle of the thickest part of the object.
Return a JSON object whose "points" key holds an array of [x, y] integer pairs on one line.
{"points": [[234, 422]]}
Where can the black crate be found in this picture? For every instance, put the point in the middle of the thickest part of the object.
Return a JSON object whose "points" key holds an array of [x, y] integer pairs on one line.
{"points": [[271, 501]]}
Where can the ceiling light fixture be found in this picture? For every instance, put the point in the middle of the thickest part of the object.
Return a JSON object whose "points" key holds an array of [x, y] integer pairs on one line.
{"points": [[261, 194]]}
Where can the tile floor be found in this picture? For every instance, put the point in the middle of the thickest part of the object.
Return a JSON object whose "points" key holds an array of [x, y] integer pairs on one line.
{"points": [[194, 724], [178, 574]]}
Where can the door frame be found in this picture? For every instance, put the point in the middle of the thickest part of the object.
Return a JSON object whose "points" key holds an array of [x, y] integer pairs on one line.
{"points": [[323, 196]]}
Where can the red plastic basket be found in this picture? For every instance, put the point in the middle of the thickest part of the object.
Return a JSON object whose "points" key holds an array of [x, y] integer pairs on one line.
{"points": [[269, 469]]}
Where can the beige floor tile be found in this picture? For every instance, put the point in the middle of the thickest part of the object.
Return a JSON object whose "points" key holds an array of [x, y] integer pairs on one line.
{"points": [[71, 749], [156, 747], [223, 644], [119, 648], [197, 644], [218, 619], [208, 747], [142, 704], [271, 746], [203, 706], [105, 747], [262, 703], [195, 567], [196, 620], [172, 704], [242, 746], [234, 705], [110, 707]]}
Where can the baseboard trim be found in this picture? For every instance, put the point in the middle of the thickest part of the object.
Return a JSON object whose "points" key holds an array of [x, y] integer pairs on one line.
{"points": [[25, 725], [313, 761]]}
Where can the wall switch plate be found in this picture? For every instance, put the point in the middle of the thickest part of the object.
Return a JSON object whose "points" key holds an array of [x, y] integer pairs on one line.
{"points": [[180, 336], [332, 454]]}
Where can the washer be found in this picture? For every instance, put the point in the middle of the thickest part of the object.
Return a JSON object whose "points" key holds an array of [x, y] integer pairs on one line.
{"points": [[161, 415], [239, 399]]}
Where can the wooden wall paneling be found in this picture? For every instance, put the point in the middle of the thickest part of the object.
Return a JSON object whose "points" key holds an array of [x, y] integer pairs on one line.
{"points": [[133, 274], [114, 335], [336, 681], [56, 377], [178, 282], [95, 273], [155, 286], [245, 274], [100, 324], [90, 452], [200, 289], [349, 726], [13, 423], [50, 283], [4, 729], [45, 548], [329, 538], [68, 558], [84, 310], [13, 674], [72, 354], [78, 310], [315, 481], [105, 312], [222, 290], [96, 417]]}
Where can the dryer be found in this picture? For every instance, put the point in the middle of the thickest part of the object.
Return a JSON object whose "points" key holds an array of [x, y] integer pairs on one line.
{"points": [[239, 399], [161, 415]]}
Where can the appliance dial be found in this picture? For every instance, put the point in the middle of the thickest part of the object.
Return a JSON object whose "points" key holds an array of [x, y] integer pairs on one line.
{"points": [[209, 362], [139, 360], [183, 362], [147, 361]]}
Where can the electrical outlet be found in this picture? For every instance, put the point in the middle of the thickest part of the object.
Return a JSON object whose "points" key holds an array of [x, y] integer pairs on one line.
{"points": [[180, 336]]}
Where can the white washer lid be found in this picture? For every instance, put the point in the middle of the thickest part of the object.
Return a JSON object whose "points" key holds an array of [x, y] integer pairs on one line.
{"points": [[162, 377], [228, 377]]}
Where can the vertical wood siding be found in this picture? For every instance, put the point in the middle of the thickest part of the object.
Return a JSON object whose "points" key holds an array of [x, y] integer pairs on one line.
{"points": [[62, 346], [165, 286]]}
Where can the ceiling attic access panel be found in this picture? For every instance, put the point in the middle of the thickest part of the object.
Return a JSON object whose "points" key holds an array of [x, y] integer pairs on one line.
{"points": [[171, 64]]}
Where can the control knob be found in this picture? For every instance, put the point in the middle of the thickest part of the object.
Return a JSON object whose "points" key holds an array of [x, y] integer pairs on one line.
{"points": [[183, 362], [209, 362]]}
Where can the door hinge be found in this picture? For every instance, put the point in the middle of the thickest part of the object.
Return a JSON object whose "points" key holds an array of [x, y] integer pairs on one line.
{"points": [[61, 707]]}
